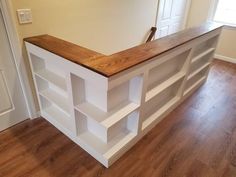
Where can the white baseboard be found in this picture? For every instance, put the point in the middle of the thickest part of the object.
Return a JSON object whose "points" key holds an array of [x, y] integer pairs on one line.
{"points": [[224, 58], [36, 115]]}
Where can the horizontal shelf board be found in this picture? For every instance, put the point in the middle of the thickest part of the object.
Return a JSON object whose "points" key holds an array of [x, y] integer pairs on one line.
{"points": [[158, 113], [155, 91], [52, 78], [107, 119], [57, 99], [198, 70], [55, 114], [106, 148], [203, 54], [199, 82]]}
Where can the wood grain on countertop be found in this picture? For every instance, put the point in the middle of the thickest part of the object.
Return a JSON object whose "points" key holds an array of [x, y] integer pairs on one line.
{"points": [[110, 65]]}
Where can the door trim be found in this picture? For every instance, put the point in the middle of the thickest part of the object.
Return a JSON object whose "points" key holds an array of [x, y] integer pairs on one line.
{"points": [[5, 7]]}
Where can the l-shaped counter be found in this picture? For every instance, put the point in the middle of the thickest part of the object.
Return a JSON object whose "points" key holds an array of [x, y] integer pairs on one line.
{"points": [[106, 104]]}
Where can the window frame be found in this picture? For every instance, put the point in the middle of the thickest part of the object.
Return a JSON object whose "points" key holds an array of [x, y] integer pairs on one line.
{"points": [[212, 12]]}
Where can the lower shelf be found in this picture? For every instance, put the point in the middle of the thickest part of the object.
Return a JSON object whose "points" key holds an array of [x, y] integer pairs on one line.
{"points": [[106, 149], [155, 117], [194, 86], [53, 113], [57, 99], [202, 68]]}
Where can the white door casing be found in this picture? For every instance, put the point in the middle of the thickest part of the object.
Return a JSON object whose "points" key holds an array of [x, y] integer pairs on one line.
{"points": [[12, 103], [171, 16]]}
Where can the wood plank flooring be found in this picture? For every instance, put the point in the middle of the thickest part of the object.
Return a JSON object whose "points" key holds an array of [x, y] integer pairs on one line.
{"points": [[198, 139]]}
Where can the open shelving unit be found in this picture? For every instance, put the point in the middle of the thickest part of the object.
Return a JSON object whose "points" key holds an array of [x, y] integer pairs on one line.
{"points": [[106, 116], [102, 118], [52, 91], [92, 134], [200, 64], [166, 74], [163, 89]]}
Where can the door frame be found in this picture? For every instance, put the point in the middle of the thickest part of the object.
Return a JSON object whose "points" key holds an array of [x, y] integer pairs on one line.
{"points": [[19, 62], [185, 15]]}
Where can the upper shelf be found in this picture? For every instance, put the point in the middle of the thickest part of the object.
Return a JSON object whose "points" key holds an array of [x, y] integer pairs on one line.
{"points": [[116, 63]]}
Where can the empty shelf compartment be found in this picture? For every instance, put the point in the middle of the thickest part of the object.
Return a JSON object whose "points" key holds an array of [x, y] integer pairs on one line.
{"points": [[127, 124], [204, 46], [53, 94], [59, 100], [108, 150], [44, 70], [166, 72], [200, 56], [155, 107], [55, 115], [156, 90], [194, 81], [198, 70]]}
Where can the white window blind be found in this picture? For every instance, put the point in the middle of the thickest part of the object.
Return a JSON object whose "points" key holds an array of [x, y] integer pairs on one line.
{"points": [[226, 12]]}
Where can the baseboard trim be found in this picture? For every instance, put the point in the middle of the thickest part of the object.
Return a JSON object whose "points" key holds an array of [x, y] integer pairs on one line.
{"points": [[224, 58], [36, 115]]}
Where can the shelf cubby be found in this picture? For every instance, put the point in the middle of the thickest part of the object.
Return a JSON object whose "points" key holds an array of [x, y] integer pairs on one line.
{"points": [[106, 150], [154, 117], [106, 107], [205, 53], [50, 110], [128, 124], [205, 46], [195, 80], [159, 104], [84, 93], [156, 90], [166, 74], [198, 70], [50, 92], [48, 72], [201, 62]]}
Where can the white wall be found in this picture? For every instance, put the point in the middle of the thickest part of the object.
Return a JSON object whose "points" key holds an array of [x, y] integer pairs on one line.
{"points": [[106, 26], [199, 12]]}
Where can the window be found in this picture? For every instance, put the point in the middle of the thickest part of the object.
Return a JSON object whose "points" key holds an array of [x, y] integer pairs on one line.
{"points": [[225, 12]]}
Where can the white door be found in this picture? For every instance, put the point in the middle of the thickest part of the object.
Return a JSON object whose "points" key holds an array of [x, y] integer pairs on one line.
{"points": [[171, 17], [12, 104]]}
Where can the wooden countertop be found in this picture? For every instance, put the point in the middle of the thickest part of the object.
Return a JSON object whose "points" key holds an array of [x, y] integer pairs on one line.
{"points": [[118, 62]]}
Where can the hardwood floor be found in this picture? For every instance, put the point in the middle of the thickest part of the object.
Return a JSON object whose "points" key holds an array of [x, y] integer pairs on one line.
{"points": [[198, 139]]}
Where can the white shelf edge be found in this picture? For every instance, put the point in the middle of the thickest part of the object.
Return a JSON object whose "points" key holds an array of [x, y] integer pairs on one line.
{"points": [[198, 57], [106, 119], [158, 89], [195, 85], [122, 113], [60, 102], [160, 111], [121, 144], [198, 70], [106, 149], [52, 78]]}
